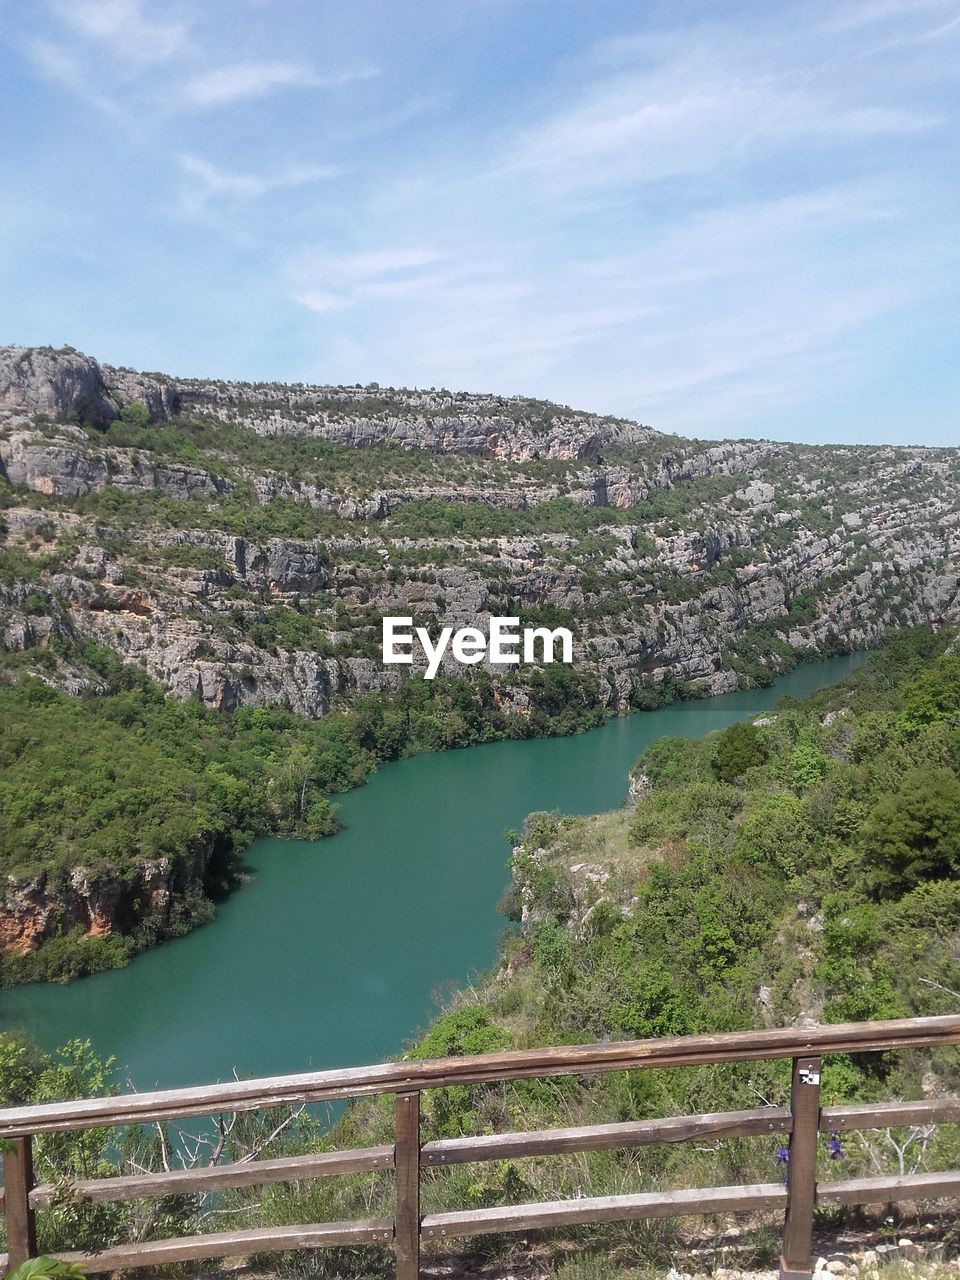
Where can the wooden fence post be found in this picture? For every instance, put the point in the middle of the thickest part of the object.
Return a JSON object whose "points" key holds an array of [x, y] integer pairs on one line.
{"points": [[796, 1261], [17, 1185], [407, 1179]]}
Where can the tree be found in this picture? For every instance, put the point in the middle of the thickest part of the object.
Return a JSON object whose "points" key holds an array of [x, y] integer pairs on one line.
{"points": [[913, 835], [739, 748], [135, 414], [809, 766]]}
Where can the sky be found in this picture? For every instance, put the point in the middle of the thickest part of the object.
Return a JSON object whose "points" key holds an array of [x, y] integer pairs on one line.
{"points": [[719, 219]]}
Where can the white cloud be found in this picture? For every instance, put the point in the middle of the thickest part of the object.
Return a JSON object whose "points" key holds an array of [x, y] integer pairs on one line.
{"points": [[63, 68], [317, 300], [328, 282], [380, 262], [847, 17], [240, 80], [687, 118], [124, 28], [209, 180]]}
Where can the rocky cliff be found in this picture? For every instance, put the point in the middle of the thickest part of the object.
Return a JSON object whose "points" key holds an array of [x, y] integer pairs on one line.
{"points": [[241, 542]]}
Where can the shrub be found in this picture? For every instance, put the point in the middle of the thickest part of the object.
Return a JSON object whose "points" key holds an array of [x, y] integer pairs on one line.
{"points": [[738, 749]]}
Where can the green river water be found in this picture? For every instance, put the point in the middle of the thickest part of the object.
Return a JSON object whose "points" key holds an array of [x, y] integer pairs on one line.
{"points": [[330, 955]]}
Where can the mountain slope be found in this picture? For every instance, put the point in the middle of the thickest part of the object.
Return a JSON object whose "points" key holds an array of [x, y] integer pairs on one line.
{"points": [[240, 542]]}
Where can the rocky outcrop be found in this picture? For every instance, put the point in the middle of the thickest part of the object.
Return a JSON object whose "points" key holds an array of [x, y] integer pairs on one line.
{"points": [[62, 383], [56, 383], [67, 465], [98, 903], [509, 428], [159, 395]]}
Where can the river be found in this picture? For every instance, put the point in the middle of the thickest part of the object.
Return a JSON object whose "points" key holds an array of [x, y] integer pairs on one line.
{"points": [[331, 954]]}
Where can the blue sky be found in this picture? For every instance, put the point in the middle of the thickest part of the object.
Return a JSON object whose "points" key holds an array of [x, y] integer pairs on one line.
{"points": [[718, 219]]}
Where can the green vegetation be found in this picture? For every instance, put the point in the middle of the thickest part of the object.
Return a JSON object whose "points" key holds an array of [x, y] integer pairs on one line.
{"points": [[118, 784], [47, 1269], [429, 517], [801, 867], [738, 749]]}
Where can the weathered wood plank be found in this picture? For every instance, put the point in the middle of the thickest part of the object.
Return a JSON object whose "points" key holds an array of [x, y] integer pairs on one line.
{"points": [[327, 1164], [796, 1258], [884, 1115], [914, 1186], [606, 1137], [405, 1077], [561, 1213], [232, 1244], [407, 1164], [18, 1183]]}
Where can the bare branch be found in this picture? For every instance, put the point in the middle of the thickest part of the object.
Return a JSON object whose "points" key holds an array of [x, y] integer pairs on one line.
{"points": [[928, 982]]}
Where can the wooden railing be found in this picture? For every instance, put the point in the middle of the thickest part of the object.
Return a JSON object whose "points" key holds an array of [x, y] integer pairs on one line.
{"points": [[407, 1155]]}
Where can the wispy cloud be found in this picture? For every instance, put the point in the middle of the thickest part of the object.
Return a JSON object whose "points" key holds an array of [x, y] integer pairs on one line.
{"points": [[61, 67], [319, 301], [218, 85], [327, 282], [125, 29], [865, 13], [131, 38], [209, 180], [687, 117]]}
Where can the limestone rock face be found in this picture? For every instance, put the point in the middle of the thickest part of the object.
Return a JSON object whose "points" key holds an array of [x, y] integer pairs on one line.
{"points": [[69, 466], [33, 909], [696, 553], [57, 383], [67, 383], [159, 395]]}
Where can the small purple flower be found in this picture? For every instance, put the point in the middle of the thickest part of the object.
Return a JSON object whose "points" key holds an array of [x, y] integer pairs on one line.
{"points": [[783, 1158], [835, 1147]]}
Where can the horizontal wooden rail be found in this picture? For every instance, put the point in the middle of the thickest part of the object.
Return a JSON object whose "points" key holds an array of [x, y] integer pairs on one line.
{"points": [[606, 1137], [888, 1115], [565, 1213], [914, 1186], [686, 1203], [235, 1244], [522, 1064], [406, 1156], [218, 1177]]}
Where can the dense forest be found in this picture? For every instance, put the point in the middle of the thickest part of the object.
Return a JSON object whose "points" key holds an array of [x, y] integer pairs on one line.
{"points": [[803, 866]]}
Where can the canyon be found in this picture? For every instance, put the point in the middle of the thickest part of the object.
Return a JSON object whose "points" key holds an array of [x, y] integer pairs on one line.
{"points": [[240, 543]]}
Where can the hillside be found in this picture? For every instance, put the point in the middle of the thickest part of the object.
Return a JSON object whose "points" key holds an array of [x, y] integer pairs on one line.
{"points": [[798, 868], [241, 542], [236, 546]]}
